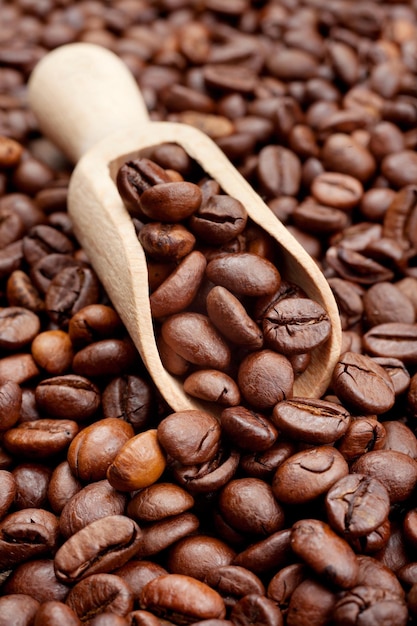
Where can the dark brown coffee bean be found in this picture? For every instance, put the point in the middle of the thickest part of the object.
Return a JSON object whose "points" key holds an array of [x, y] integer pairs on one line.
{"points": [[18, 327], [177, 292], [176, 594], [108, 357], [166, 242], [230, 317], [27, 534], [400, 168], [10, 404], [211, 476], [100, 593], [43, 240], [396, 369], [53, 351], [21, 292], [400, 437], [68, 396], [213, 386], [283, 584], [88, 504], [99, 547], [313, 421], [338, 190], [159, 501], [130, 398], [265, 378], [369, 602], [245, 274], [249, 506], [311, 600], [363, 435], [170, 202], [394, 340], [219, 219], [134, 177], [341, 153], [234, 582], [62, 486], [267, 555], [31, 480], [195, 339], [396, 470], [325, 552], [54, 612], [70, 290], [363, 384], [190, 436], [92, 323], [385, 303], [96, 446], [41, 438], [357, 505], [256, 608], [264, 464], [18, 608], [248, 430], [7, 491], [308, 474]]}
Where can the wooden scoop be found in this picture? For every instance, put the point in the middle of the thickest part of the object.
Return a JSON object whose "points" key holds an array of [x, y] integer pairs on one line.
{"points": [[88, 104]]}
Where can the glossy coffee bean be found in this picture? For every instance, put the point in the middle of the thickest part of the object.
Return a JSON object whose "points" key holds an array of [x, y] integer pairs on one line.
{"points": [[325, 552]]}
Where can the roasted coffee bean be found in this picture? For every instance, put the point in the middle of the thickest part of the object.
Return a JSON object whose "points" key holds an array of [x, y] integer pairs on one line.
{"points": [[7, 491], [32, 481], [229, 316], [62, 486], [363, 384], [69, 291], [10, 403], [190, 436], [312, 421], [68, 396], [219, 220], [396, 470], [134, 177], [18, 608], [131, 398], [400, 437], [325, 552], [18, 327], [310, 600], [183, 596], [139, 462], [245, 274], [170, 202], [248, 505], [208, 477], [308, 474], [266, 555], [100, 593], [88, 504], [41, 438], [27, 534], [283, 584], [98, 547], [213, 386], [177, 292], [363, 435], [37, 579], [92, 323], [356, 505], [393, 339], [194, 338], [57, 343], [341, 191], [54, 612], [247, 429], [107, 357], [265, 378], [369, 602], [95, 447], [256, 607], [166, 242]]}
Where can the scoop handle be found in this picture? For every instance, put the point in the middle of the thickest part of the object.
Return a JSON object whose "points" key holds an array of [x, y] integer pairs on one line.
{"points": [[81, 93]]}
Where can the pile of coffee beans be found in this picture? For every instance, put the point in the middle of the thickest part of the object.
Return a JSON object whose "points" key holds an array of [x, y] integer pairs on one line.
{"points": [[225, 320], [116, 511]]}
